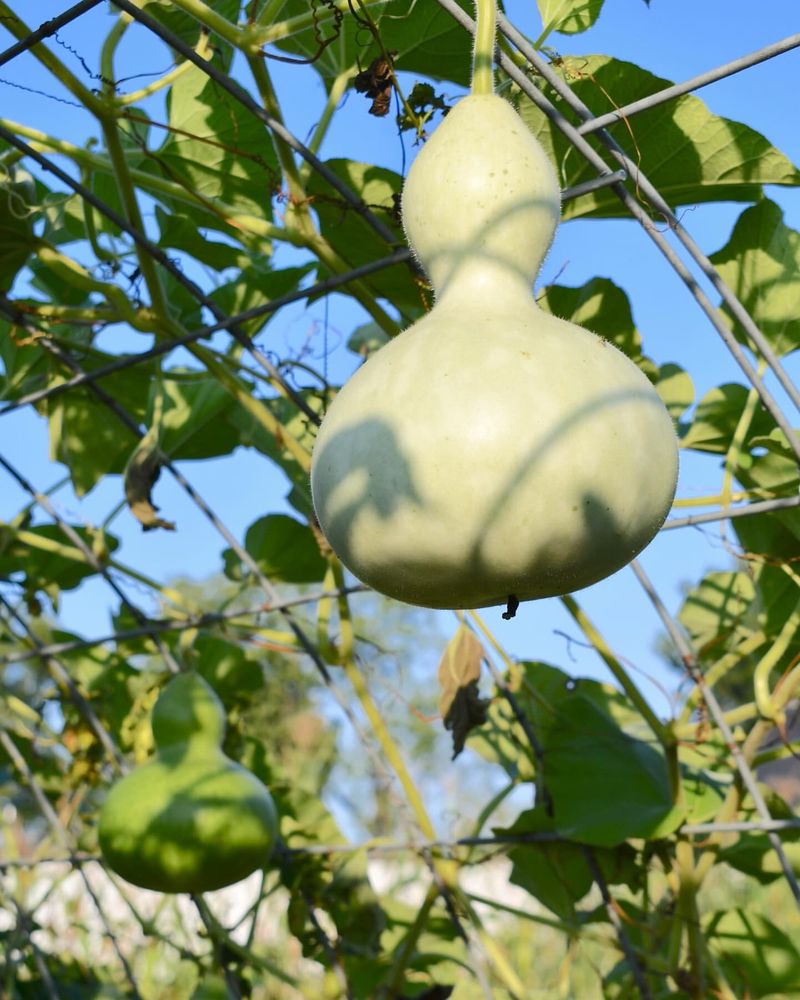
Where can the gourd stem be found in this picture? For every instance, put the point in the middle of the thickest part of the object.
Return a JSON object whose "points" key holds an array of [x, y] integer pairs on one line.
{"points": [[483, 55]]}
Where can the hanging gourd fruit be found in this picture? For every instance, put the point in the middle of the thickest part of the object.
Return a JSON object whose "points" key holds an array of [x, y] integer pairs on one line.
{"points": [[190, 820], [490, 453]]}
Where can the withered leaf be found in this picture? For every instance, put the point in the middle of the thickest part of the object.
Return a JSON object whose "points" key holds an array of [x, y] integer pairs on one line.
{"points": [[376, 83], [141, 475], [461, 707]]}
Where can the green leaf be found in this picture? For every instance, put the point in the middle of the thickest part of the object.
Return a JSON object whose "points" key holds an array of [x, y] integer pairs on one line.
{"points": [[676, 389], [217, 148], [24, 364], [602, 307], [85, 435], [718, 612], [284, 549], [255, 286], [189, 29], [18, 206], [367, 339], [356, 241], [757, 957], [54, 563], [717, 416], [606, 786], [752, 853], [689, 154], [424, 37], [557, 871], [194, 421], [569, 17], [761, 263]]}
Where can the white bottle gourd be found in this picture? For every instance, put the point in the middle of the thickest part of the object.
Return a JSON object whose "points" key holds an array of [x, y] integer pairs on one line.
{"points": [[491, 451]]}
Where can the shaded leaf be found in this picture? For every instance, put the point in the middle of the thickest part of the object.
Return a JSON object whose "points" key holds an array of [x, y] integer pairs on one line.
{"points": [[424, 37], [689, 154], [557, 872], [676, 389], [18, 205], [37, 555], [757, 957], [283, 548]]}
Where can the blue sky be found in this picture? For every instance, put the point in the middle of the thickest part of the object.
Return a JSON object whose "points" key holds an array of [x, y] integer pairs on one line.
{"points": [[675, 39]]}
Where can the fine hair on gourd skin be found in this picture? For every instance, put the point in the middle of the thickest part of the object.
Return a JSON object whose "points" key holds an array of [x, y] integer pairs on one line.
{"points": [[491, 450]]}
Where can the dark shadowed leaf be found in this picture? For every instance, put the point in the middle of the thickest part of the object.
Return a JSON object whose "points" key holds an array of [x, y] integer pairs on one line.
{"points": [[284, 549]]}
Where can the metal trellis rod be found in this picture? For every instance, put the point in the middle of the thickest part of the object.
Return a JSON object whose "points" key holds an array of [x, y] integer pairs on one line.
{"points": [[689, 660], [46, 29], [695, 83]]}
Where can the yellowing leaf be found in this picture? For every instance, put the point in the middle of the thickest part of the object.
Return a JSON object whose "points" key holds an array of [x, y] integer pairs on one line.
{"points": [[461, 707]]}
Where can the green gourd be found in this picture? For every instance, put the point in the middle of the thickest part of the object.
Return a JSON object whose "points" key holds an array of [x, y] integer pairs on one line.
{"points": [[491, 450], [189, 820]]}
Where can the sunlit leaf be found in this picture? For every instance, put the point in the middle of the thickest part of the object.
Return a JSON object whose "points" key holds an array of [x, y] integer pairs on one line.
{"points": [[761, 263], [688, 153]]}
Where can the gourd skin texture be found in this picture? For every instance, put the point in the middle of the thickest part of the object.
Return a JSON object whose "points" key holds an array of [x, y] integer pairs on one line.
{"points": [[491, 449], [190, 820]]}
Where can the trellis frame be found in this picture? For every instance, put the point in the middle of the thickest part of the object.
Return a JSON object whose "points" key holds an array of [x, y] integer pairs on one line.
{"points": [[617, 175]]}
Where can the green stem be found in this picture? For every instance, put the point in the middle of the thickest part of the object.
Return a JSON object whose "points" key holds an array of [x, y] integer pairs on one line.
{"points": [[216, 22], [159, 186], [336, 93], [483, 54]]}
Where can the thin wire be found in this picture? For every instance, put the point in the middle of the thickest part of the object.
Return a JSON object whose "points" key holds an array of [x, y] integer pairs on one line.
{"points": [[162, 348], [47, 28]]}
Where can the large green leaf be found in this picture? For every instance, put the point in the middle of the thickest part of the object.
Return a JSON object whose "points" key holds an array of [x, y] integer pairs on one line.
{"points": [[761, 263], [605, 785], [354, 239], [688, 153], [189, 29], [569, 17], [423, 35], [216, 148], [193, 423], [605, 778], [717, 416]]}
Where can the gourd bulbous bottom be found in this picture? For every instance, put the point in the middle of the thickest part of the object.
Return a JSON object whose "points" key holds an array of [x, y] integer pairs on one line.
{"points": [[491, 451], [188, 822]]}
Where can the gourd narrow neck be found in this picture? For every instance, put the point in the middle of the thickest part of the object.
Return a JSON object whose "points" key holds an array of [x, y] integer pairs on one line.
{"points": [[483, 54]]}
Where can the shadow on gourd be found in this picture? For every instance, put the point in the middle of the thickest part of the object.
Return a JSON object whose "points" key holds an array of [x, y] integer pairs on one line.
{"points": [[191, 819]]}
